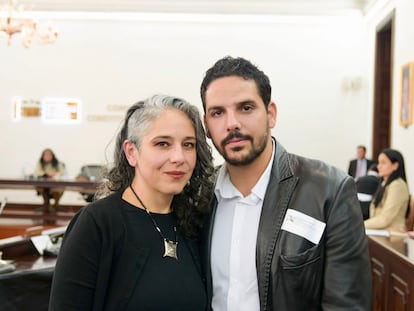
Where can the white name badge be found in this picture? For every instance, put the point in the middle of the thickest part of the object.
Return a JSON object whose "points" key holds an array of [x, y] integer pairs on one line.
{"points": [[303, 225]]}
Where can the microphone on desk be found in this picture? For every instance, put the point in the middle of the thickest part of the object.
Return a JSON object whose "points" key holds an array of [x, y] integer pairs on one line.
{"points": [[53, 248], [54, 238], [3, 204]]}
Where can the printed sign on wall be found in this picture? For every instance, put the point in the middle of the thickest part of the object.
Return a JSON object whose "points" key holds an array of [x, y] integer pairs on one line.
{"points": [[26, 108], [61, 110], [50, 110]]}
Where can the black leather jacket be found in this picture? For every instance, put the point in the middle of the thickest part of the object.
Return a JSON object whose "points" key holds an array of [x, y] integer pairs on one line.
{"points": [[293, 273]]}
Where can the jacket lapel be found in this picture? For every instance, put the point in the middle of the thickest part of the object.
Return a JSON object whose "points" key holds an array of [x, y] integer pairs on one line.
{"points": [[132, 260], [278, 194]]}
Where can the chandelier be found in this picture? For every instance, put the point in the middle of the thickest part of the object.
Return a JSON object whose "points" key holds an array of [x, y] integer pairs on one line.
{"points": [[14, 21]]}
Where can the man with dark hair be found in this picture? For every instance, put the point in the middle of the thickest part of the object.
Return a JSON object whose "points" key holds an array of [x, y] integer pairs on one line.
{"points": [[359, 167], [285, 232]]}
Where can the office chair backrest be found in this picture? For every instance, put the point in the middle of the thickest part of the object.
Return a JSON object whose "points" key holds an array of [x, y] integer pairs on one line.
{"points": [[93, 172]]}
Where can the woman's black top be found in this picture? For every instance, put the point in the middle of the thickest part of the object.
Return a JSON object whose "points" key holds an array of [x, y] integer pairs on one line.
{"points": [[111, 259], [165, 283]]}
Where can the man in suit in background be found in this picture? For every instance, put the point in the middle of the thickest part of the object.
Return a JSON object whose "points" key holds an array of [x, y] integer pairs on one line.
{"points": [[359, 166]]}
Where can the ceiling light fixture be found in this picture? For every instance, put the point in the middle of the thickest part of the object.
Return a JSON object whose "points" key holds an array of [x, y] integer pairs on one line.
{"points": [[13, 20]]}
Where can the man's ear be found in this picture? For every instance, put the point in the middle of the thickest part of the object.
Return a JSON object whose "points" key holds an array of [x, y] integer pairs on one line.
{"points": [[205, 126], [272, 114]]}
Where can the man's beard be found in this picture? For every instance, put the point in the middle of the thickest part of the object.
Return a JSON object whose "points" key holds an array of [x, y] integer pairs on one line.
{"points": [[254, 153]]}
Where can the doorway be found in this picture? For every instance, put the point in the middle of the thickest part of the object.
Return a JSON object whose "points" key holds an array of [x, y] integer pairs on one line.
{"points": [[383, 86]]}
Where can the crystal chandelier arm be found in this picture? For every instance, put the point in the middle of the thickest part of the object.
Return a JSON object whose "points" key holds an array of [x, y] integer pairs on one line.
{"points": [[28, 28]]}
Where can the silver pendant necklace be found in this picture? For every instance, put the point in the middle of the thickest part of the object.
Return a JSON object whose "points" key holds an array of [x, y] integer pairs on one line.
{"points": [[170, 247]]}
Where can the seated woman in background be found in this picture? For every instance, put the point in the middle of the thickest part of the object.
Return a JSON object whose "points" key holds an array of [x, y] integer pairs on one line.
{"points": [[390, 203], [49, 166]]}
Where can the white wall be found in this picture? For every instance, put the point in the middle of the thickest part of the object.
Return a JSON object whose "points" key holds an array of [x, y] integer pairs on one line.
{"points": [[402, 138], [311, 62]]}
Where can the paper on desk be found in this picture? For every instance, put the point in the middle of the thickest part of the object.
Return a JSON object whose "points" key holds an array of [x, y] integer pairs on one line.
{"points": [[40, 242], [377, 232], [58, 230]]}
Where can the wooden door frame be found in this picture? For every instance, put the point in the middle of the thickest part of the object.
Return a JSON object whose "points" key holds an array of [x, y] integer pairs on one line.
{"points": [[382, 106]]}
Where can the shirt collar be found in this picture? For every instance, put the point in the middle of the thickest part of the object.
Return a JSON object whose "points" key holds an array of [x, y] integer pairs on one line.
{"points": [[225, 189]]}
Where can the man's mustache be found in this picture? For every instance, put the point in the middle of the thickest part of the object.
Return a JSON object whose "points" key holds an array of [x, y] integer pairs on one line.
{"points": [[233, 135]]}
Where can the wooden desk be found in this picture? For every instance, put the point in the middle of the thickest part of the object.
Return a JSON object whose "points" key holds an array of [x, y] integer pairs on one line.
{"points": [[28, 287], [45, 186], [21, 250], [392, 265]]}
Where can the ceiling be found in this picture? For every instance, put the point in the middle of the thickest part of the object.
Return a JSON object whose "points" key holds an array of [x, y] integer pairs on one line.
{"points": [[297, 7]]}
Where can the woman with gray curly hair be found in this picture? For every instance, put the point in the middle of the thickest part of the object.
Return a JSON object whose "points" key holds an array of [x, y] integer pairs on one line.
{"points": [[136, 248]]}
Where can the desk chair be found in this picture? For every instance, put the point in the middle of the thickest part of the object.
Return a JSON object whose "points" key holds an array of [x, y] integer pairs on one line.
{"points": [[92, 172], [366, 187]]}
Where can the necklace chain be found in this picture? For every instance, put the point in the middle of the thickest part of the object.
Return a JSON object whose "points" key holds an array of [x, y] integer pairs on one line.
{"points": [[169, 245]]}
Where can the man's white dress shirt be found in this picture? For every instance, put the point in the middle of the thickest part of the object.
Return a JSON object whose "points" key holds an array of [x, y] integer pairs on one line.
{"points": [[233, 252]]}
